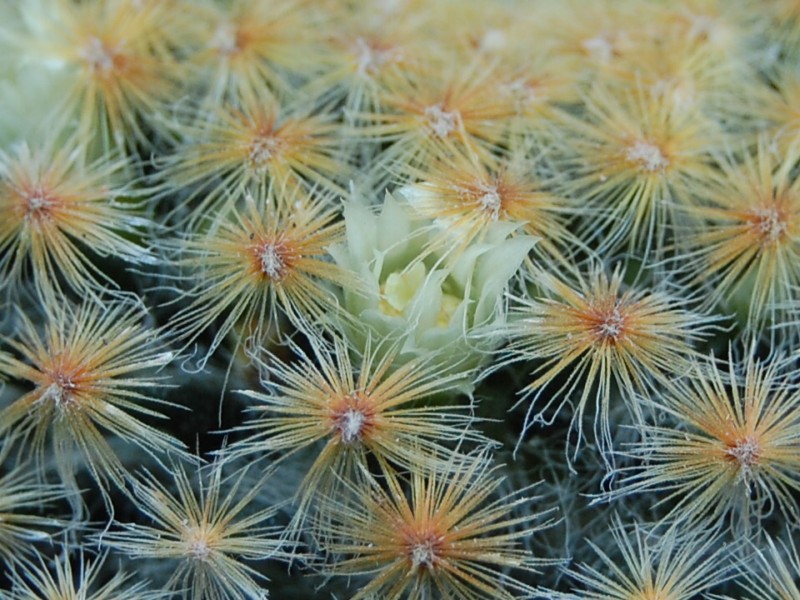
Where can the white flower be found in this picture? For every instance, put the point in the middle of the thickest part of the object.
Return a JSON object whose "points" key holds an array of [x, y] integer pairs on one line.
{"points": [[430, 303]]}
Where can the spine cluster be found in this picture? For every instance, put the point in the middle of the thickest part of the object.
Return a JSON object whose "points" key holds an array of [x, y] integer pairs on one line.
{"points": [[399, 299]]}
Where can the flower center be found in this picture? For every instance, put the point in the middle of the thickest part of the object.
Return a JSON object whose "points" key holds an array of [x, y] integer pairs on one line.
{"points": [[611, 325], [400, 289], [493, 40], [746, 452], [37, 205], [61, 391], [491, 202], [524, 93], [647, 156], [370, 58], [225, 40], [351, 425], [599, 48], [197, 544], [261, 151], [770, 224], [422, 555], [98, 56], [442, 123], [352, 417], [424, 550], [272, 261], [487, 198], [199, 549]]}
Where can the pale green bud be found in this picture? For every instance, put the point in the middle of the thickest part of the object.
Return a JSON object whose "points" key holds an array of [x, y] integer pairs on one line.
{"points": [[441, 306]]}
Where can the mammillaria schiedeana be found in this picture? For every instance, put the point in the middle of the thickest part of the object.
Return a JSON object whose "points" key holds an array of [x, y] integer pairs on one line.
{"points": [[407, 299]]}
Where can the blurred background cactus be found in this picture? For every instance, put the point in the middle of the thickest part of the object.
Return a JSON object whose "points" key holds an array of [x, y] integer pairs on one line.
{"points": [[399, 299]]}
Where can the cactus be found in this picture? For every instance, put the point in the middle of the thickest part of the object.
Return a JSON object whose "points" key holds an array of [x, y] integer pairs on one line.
{"points": [[405, 299]]}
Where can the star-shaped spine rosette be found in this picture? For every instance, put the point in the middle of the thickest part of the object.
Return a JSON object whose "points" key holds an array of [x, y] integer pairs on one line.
{"points": [[691, 61], [113, 64], [731, 450], [595, 334], [463, 197], [268, 259], [365, 52], [206, 532], [635, 160], [647, 566], [379, 409], [59, 214], [430, 111], [253, 145], [249, 49], [75, 578], [91, 370], [749, 244], [438, 535]]}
